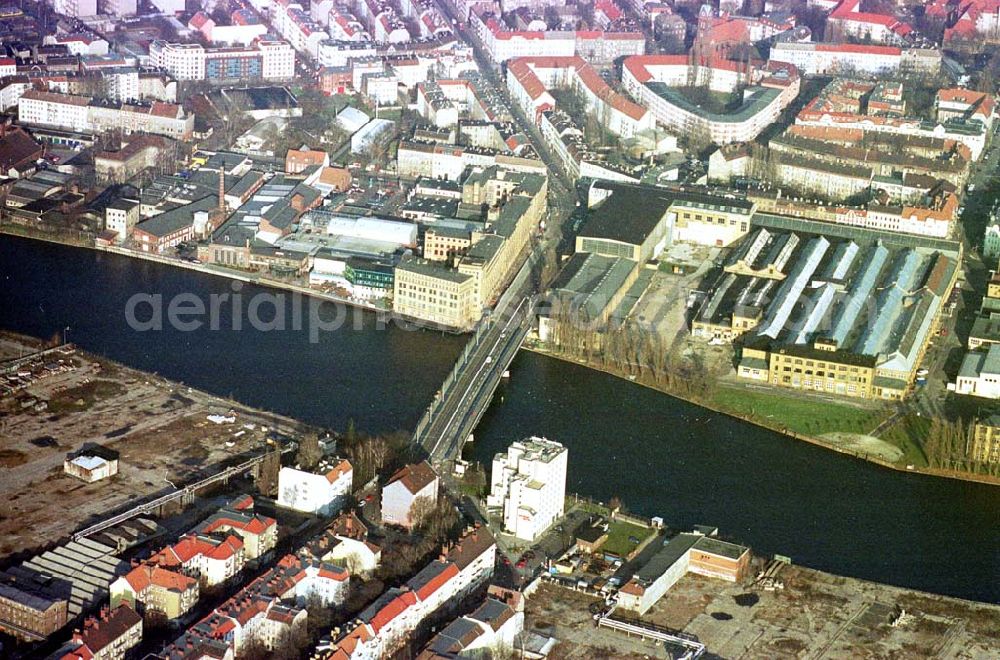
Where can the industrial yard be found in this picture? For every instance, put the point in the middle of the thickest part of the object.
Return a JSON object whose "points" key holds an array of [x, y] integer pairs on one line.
{"points": [[812, 614], [62, 401]]}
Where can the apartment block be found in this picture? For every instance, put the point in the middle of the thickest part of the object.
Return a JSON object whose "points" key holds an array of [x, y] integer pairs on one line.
{"points": [[528, 483]]}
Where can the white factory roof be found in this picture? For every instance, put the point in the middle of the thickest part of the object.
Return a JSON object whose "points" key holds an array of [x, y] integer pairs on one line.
{"points": [[373, 229]]}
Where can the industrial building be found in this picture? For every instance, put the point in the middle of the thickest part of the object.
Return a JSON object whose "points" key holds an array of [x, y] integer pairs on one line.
{"points": [[637, 221], [698, 553], [831, 309]]}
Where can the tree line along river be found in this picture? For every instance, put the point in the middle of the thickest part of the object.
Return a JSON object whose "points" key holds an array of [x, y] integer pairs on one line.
{"points": [[662, 456]]}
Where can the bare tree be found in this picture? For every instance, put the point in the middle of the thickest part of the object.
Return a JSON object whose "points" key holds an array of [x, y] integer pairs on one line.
{"points": [[267, 474], [309, 452]]}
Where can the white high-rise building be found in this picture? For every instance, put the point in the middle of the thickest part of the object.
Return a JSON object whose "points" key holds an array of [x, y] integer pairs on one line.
{"points": [[529, 483]]}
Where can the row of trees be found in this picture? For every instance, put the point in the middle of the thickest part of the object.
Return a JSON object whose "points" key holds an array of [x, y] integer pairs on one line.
{"points": [[948, 446], [634, 351]]}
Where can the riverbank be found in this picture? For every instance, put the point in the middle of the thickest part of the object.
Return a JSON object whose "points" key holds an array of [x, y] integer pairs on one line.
{"points": [[777, 428], [208, 269]]}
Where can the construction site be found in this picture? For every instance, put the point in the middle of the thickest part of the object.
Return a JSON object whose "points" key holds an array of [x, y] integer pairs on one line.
{"points": [[56, 402]]}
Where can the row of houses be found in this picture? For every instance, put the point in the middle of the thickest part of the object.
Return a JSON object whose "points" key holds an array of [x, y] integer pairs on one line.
{"points": [[169, 584], [385, 626], [597, 46], [82, 114]]}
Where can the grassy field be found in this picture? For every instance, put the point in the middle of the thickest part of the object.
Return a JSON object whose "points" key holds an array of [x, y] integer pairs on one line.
{"points": [[618, 542], [800, 414], [909, 434]]}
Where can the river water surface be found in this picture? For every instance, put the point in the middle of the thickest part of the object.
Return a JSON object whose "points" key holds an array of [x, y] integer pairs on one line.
{"points": [[662, 456]]}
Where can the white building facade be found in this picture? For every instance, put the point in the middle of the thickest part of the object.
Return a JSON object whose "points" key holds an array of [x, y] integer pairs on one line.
{"points": [[529, 484], [323, 493]]}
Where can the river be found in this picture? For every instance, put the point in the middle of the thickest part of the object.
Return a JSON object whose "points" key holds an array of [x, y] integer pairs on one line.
{"points": [[662, 456], [383, 379]]}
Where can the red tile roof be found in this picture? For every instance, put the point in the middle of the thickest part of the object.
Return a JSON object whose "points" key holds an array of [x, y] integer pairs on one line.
{"points": [[99, 634], [141, 577], [443, 573], [344, 466], [392, 609], [414, 477], [524, 68]]}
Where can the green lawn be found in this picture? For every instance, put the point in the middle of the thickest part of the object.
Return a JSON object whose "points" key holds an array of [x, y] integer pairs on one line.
{"points": [[618, 542], [909, 434], [800, 414]]}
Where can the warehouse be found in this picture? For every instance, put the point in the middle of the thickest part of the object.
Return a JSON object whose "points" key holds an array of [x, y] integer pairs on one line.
{"points": [[830, 309]]}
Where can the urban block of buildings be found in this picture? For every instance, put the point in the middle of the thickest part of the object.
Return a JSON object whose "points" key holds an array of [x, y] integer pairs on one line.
{"points": [[385, 625], [961, 115], [434, 291]]}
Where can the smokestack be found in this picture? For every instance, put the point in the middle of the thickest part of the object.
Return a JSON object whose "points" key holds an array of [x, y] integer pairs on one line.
{"points": [[222, 189]]}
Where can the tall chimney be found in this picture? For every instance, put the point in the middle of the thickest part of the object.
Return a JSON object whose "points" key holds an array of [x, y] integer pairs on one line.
{"points": [[222, 189]]}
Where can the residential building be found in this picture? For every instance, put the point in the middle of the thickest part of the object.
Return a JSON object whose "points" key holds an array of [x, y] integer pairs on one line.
{"points": [[264, 60], [991, 239], [597, 46], [528, 483], [767, 90], [845, 59], [843, 102], [492, 626], [258, 533], [155, 592], [385, 626], [75, 8], [529, 80], [728, 162], [345, 543], [848, 21], [109, 637], [323, 492], [984, 445], [121, 216], [412, 487], [84, 115], [213, 558]]}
